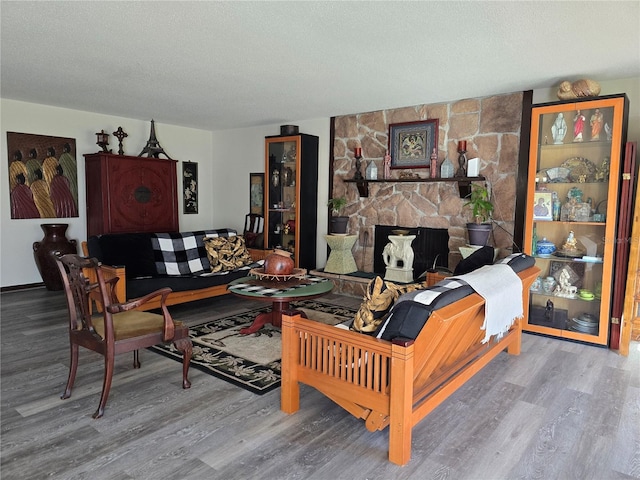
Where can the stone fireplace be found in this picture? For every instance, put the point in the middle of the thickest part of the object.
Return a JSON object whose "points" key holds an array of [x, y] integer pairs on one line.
{"points": [[491, 127]]}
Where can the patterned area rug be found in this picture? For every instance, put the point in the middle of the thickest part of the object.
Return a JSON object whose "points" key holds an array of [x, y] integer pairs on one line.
{"points": [[248, 361]]}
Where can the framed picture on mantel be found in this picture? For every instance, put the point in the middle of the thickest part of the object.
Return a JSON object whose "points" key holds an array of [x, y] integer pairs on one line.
{"points": [[411, 143]]}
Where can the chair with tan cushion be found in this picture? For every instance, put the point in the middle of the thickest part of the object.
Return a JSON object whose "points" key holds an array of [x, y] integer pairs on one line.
{"points": [[119, 327]]}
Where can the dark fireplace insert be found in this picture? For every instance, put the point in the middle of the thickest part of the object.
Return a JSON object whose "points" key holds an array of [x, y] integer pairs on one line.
{"points": [[430, 247]]}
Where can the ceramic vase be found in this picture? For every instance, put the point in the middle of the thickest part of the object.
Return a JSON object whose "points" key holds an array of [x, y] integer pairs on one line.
{"points": [[278, 263], [54, 241]]}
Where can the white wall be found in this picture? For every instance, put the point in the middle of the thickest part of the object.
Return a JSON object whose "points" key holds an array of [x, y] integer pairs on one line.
{"points": [[240, 152], [17, 266], [225, 159], [223, 173]]}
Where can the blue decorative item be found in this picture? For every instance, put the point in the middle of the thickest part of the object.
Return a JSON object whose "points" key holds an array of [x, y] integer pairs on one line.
{"points": [[545, 248]]}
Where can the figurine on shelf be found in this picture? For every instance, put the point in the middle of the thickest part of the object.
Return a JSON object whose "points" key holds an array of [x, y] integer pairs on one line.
{"points": [[559, 129], [564, 287], [602, 173], [578, 126], [387, 165], [571, 244], [433, 167], [596, 125]]}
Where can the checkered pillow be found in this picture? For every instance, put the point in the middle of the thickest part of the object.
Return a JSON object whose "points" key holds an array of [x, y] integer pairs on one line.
{"points": [[184, 253]]}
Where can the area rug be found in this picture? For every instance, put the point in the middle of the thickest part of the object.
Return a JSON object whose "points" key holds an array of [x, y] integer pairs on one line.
{"points": [[248, 361]]}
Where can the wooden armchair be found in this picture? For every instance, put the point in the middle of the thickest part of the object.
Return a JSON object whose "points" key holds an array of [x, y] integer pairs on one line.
{"points": [[119, 327]]}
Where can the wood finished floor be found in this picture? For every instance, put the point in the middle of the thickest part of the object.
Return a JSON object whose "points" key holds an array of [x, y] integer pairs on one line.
{"points": [[558, 411]]}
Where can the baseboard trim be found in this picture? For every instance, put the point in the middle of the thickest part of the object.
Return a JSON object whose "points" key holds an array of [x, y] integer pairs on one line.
{"points": [[27, 286]]}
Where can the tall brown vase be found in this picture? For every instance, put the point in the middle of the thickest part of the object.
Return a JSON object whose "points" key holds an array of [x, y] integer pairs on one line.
{"points": [[54, 241]]}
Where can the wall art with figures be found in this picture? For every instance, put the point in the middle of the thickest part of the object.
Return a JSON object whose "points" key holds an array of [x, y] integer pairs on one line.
{"points": [[43, 176]]}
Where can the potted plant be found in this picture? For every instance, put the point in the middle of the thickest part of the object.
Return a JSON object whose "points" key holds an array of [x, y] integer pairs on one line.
{"points": [[338, 221], [481, 209]]}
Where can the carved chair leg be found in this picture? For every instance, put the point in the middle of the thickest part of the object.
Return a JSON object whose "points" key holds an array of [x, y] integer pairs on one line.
{"points": [[106, 385], [136, 359], [185, 346], [73, 368]]}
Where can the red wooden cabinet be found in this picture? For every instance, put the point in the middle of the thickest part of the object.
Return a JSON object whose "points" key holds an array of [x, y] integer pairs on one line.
{"points": [[130, 194]]}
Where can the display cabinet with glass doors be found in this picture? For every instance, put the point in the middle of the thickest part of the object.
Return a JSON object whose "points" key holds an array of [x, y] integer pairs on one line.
{"points": [[571, 210], [291, 198]]}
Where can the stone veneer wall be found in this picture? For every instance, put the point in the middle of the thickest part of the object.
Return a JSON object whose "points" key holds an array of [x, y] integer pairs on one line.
{"points": [[491, 127]]}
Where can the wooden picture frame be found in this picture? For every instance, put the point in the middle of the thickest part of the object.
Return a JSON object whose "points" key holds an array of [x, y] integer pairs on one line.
{"points": [[543, 206], [256, 193], [411, 143], [189, 188]]}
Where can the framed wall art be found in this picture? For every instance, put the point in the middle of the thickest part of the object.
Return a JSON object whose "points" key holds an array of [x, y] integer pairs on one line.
{"points": [[43, 176], [189, 187], [411, 143], [256, 193], [542, 209]]}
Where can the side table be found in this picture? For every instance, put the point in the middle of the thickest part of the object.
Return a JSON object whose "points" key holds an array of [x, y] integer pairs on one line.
{"points": [[340, 258]]}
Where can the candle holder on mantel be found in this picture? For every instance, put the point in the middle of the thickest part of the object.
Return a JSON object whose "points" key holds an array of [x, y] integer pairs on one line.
{"points": [[358, 156], [462, 159]]}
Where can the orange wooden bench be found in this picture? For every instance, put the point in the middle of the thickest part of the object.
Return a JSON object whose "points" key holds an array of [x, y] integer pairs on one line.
{"points": [[398, 383]]}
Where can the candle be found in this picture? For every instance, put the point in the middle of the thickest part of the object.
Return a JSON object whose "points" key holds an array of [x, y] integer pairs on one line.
{"points": [[358, 151], [462, 146]]}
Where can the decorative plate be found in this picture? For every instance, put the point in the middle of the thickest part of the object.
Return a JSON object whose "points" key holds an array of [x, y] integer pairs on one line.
{"points": [[581, 169], [558, 174], [299, 273]]}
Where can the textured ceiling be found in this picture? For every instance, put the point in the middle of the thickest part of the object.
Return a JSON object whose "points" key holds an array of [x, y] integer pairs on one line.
{"points": [[219, 65]]}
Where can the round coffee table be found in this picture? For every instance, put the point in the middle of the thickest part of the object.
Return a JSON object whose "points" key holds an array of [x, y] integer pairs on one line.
{"points": [[279, 294]]}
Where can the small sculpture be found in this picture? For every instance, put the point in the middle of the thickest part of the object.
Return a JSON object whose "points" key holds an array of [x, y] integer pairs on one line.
{"points": [[559, 129], [577, 89], [153, 148], [571, 244], [387, 165], [120, 134], [578, 126], [564, 287], [596, 122], [602, 173]]}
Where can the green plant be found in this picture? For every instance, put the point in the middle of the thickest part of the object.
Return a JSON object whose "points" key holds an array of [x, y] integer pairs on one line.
{"points": [[480, 203], [337, 204]]}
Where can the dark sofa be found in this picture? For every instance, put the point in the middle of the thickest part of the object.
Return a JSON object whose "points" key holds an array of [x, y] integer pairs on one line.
{"points": [[145, 262]]}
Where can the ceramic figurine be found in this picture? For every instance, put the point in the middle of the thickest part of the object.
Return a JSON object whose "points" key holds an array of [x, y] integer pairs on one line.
{"points": [[579, 88], [559, 129], [578, 126]]}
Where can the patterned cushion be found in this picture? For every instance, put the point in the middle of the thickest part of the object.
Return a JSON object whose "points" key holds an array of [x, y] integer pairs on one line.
{"points": [[377, 303], [183, 253], [227, 253]]}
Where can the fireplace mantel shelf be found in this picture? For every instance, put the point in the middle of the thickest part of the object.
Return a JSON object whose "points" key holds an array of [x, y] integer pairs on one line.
{"points": [[464, 183]]}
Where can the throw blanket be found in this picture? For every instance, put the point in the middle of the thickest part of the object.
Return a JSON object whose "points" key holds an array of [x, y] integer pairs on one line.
{"points": [[501, 289]]}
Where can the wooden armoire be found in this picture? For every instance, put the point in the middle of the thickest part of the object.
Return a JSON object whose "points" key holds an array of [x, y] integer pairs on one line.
{"points": [[130, 194]]}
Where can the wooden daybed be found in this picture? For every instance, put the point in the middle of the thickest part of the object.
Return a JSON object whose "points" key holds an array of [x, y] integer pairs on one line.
{"points": [[397, 383]]}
